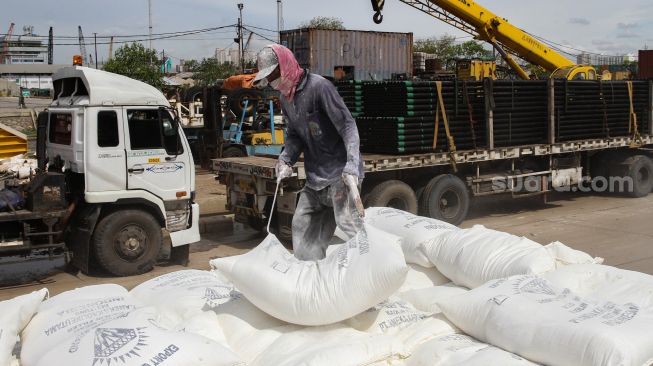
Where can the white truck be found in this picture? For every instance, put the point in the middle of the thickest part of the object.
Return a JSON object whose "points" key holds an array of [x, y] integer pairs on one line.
{"points": [[115, 175]]}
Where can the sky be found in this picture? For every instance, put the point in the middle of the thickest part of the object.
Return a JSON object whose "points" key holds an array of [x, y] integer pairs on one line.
{"points": [[600, 26]]}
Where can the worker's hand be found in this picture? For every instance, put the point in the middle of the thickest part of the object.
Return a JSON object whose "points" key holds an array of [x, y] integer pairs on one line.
{"points": [[283, 170], [351, 181]]}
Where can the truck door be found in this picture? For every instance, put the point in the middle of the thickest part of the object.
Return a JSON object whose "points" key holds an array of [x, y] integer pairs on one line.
{"points": [[155, 154], [105, 151]]}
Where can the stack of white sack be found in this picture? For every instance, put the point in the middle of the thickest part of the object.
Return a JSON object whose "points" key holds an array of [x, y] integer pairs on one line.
{"points": [[104, 325], [15, 314], [553, 325], [207, 304], [364, 271], [20, 166]]}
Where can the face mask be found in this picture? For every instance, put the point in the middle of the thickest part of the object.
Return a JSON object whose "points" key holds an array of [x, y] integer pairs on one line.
{"points": [[275, 83]]}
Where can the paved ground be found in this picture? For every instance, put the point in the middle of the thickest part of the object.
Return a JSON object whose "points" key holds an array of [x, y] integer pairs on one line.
{"points": [[615, 228], [12, 102]]}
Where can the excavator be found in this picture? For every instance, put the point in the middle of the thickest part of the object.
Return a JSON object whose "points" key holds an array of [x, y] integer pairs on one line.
{"points": [[507, 39]]}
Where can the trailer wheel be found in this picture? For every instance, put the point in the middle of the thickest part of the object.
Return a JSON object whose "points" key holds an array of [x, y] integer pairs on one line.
{"points": [[639, 169], [233, 152], [127, 242], [395, 194], [445, 198]]}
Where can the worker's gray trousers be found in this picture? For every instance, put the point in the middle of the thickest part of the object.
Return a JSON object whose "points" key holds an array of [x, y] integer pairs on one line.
{"points": [[316, 217]]}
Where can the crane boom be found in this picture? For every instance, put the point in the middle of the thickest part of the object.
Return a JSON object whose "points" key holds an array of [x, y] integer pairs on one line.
{"points": [[476, 20], [82, 46], [5, 46]]}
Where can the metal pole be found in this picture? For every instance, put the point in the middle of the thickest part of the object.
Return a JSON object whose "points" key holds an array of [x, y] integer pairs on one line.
{"points": [[149, 11], [95, 44], [50, 46], [279, 21], [241, 49]]}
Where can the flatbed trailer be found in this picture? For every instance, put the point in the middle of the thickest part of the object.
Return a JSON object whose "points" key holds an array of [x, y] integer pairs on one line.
{"points": [[441, 184]]}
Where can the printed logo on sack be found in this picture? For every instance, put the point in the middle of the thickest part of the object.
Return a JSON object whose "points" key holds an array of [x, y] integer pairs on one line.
{"points": [[117, 344], [215, 298], [536, 286]]}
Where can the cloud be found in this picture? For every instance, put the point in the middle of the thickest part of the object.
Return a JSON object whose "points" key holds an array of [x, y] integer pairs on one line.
{"points": [[580, 21], [628, 35], [627, 26]]}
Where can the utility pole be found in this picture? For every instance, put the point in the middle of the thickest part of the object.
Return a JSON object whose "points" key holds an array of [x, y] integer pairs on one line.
{"points": [[241, 49], [149, 12], [95, 44], [50, 46], [111, 48], [279, 20]]}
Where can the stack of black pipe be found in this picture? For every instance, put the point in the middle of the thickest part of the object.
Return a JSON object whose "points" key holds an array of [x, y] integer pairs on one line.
{"points": [[599, 109], [520, 112], [395, 117], [399, 116], [352, 94]]}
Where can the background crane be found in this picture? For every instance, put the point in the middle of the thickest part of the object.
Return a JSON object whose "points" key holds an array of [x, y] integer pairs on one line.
{"points": [[82, 46], [5, 46]]}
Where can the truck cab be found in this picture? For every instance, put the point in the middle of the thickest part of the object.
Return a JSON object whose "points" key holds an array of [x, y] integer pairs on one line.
{"points": [[128, 168]]}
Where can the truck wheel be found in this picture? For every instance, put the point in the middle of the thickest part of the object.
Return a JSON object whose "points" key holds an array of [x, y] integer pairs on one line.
{"points": [[639, 169], [395, 194], [445, 198], [127, 242]]}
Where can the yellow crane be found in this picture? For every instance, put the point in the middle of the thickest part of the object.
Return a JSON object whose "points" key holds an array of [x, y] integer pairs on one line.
{"points": [[507, 39]]}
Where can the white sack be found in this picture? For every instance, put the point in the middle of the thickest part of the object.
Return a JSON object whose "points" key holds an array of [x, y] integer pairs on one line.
{"points": [[332, 345], [419, 277], [77, 295], [605, 283], [462, 350], [14, 316], [530, 316], [63, 318], [565, 255], [248, 330], [471, 257], [135, 340], [414, 230], [362, 273], [185, 292], [426, 299], [399, 318]]}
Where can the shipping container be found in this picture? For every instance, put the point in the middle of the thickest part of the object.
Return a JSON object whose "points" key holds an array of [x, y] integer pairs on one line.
{"points": [[645, 64], [351, 54]]}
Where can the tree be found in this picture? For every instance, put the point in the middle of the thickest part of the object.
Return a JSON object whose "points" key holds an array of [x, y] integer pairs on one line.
{"points": [[445, 48], [137, 62], [324, 23], [209, 70], [191, 65]]}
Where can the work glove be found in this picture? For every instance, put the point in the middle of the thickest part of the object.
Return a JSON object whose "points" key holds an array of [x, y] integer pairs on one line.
{"points": [[351, 181], [282, 170]]}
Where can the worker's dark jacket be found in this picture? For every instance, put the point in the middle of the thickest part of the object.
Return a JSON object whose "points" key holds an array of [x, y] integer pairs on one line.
{"points": [[321, 127]]}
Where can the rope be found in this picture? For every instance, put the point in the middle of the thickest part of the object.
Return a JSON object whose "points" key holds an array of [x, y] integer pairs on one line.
{"points": [[470, 112], [632, 119], [451, 143]]}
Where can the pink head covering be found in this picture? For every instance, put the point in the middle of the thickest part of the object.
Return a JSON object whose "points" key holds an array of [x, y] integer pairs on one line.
{"points": [[290, 71]]}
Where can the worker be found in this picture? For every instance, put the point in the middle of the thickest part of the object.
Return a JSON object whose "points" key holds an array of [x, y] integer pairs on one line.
{"points": [[320, 126]]}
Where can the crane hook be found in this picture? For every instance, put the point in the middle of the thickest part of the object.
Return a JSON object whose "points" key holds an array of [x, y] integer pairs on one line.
{"points": [[378, 17], [377, 5]]}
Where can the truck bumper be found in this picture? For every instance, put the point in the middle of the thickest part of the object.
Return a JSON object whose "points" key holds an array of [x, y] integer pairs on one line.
{"points": [[190, 235]]}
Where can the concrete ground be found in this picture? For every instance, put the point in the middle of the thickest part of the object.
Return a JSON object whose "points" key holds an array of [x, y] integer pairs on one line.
{"points": [[616, 228]]}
